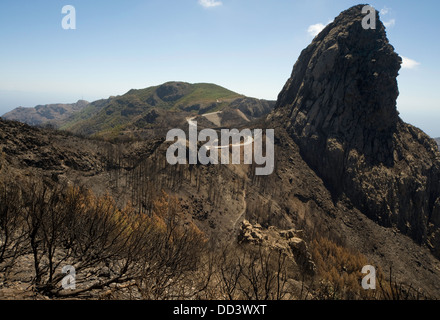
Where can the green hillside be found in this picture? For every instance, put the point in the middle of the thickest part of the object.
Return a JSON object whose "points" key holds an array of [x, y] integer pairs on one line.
{"points": [[140, 109]]}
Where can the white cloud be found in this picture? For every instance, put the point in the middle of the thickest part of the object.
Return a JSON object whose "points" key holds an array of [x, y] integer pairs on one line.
{"points": [[384, 11], [408, 63], [390, 23], [315, 29], [210, 3]]}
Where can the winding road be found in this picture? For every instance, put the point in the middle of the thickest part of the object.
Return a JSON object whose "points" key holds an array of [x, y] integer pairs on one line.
{"points": [[248, 139]]}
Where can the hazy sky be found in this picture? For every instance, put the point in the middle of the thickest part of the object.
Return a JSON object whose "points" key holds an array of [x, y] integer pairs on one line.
{"points": [[248, 46]]}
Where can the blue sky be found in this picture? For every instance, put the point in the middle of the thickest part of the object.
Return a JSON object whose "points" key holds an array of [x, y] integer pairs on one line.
{"points": [[248, 46]]}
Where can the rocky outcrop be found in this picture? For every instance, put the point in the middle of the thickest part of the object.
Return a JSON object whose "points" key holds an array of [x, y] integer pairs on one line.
{"points": [[287, 241], [253, 108], [173, 91], [339, 106]]}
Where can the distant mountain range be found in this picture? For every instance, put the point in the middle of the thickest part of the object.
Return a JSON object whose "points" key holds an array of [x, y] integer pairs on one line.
{"points": [[438, 141], [53, 114], [147, 112]]}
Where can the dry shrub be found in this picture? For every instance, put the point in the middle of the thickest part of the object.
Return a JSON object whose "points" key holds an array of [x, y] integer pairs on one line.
{"points": [[339, 270], [55, 225]]}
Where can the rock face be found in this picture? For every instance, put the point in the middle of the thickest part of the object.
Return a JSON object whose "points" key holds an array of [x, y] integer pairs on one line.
{"points": [[287, 241], [339, 106], [253, 108], [173, 91]]}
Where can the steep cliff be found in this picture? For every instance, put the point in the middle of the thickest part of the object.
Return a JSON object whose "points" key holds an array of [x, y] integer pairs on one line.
{"points": [[339, 106]]}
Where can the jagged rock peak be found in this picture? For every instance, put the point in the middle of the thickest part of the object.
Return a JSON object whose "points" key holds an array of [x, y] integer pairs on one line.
{"points": [[343, 87], [339, 106]]}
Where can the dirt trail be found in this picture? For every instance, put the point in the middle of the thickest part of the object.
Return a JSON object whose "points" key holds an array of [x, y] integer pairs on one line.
{"points": [[242, 213]]}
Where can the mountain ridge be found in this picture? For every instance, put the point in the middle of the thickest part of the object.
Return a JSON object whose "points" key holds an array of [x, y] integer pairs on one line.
{"points": [[49, 114], [150, 111]]}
